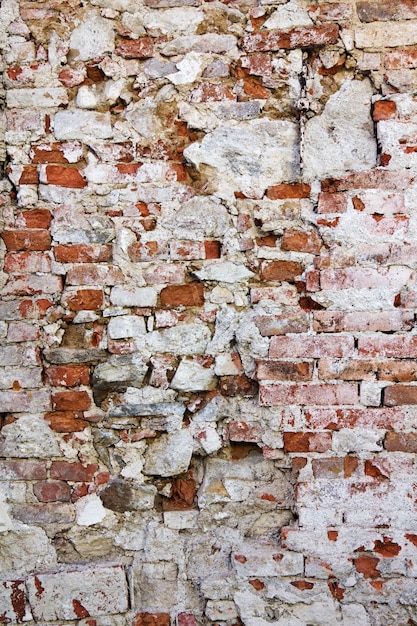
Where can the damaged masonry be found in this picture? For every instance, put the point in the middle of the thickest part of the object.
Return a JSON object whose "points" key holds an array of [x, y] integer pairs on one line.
{"points": [[208, 295]]}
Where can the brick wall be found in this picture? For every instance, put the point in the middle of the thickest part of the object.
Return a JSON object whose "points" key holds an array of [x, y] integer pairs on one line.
{"points": [[207, 318]]}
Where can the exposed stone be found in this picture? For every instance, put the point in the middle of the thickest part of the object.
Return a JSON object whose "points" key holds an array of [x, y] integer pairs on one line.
{"points": [[94, 37], [199, 217], [191, 376], [335, 142], [239, 165], [73, 594], [30, 436], [170, 454], [117, 373], [120, 495]]}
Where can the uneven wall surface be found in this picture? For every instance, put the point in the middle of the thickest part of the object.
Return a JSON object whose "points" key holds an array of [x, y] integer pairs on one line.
{"points": [[208, 398]]}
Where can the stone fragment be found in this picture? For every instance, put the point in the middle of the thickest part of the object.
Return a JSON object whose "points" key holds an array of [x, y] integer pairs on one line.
{"points": [[78, 592], [170, 454], [287, 16], [210, 42], [89, 510], [184, 339], [75, 124], [118, 373], [173, 22], [30, 436], [121, 495], [250, 157], [37, 98], [337, 142], [199, 217], [226, 272], [141, 297], [24, 549], [124, 326], [191, 376], [188, 70], [93, 38]]}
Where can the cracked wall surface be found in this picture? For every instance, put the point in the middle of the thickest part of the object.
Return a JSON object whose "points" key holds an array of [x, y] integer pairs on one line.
{"points": [[208, 313]]}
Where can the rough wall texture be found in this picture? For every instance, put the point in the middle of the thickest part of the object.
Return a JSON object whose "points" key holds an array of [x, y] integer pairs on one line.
{"points": [[208, 365]]}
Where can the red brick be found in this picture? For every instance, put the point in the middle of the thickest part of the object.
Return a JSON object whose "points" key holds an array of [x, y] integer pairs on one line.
{"points": [[285, 190], [384, 110], [385, 321], [258, 64], [212, 249], [308, 394], [334, 467], [30, 240], [52, 152], [22, 331], [186, 619], [367, 565], [52, 491], [66, 421], [332, 203], [70, 77], [22, 470], [191, 294], [307, 442], [372, 179], [136, 49], [270, 325], [82, 253], [67, 375], [71, 400], [45, 513], [300, 241], [400, 346], [194, 250], [73, 472], [165, 273], [311, 347], [385, 10], [148, 251], [397, 371], [280, 270], [65, 177], [84, 299], [299, 37], [337, 418], [29, 176], [284, 370], [333, 11], [238, 386], [244, 431], [312, 283], [397, 395], [18, 401], [362, 278], [151, 619], [211, 92], [27, 263], [33, 284], [35, 218], [401, 442], [90, 274], [34, 309], [401, 58]]}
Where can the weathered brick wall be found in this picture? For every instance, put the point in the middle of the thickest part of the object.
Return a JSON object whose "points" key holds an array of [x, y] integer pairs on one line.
{"points": [[208, 291]]}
